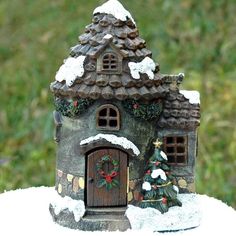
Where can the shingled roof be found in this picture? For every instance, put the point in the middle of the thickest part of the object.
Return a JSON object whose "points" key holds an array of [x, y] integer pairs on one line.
{"points": [[178, 112], [122, 35]]}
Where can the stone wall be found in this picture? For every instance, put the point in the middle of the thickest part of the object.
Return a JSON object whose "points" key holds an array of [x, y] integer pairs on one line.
{"points": [[70, 185]]}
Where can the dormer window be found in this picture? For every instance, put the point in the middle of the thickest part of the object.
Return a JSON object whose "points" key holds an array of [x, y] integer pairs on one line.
{"points": [[108, 117], [110, 62]]}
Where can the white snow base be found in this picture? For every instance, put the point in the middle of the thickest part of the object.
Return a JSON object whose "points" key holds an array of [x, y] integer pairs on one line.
{"points": [[115, 8], [26, 212], [77, 207], [177, 218], [71, 69], [111, 138]]}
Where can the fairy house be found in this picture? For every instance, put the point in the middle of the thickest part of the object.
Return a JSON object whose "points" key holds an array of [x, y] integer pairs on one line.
{"points": [[111, 103]]}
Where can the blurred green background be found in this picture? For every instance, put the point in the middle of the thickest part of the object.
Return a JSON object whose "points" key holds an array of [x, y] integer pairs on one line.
{"points": [[196, 37]]}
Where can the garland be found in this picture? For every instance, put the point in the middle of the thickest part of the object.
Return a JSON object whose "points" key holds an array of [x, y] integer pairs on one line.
{"points": [[107, 179], [72, 108], [143, 111]]}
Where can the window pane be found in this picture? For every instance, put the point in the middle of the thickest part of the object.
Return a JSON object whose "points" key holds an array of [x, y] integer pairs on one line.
{"points": [[113, 123], [171, 159], [103, 112], [180, 159], [102, 122], [169, 140], [105, 66], [170, 149], [113, 113], [180, 140], [180, 149]]}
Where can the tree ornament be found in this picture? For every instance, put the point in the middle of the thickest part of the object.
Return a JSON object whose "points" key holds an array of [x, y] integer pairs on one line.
{"points": [[75, 103], [164, 200], [107, 179]]}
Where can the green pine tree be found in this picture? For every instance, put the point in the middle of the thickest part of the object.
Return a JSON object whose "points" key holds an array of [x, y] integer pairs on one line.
{"points": [[158, 189]]}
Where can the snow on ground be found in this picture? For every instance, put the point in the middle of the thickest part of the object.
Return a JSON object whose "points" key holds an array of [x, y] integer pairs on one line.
{"points": [[187, 216], [71, 69], [25, 212], [111, 138], [115, 8], [146, 66], [193, 96]]}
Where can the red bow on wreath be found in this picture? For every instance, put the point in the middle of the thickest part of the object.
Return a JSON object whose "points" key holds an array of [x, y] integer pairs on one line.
{"points": [[107, 178]]}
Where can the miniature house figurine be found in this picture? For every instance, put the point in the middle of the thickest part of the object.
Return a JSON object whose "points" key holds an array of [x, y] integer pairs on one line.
{"points": [[112, 103]]}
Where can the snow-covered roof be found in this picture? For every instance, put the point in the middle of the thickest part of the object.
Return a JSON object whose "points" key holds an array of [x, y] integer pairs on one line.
{"points": [[193, 96], [146, 66], [111, 138], [115, 8], [70, 70]]}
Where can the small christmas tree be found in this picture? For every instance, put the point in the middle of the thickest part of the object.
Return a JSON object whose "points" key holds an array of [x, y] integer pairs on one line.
{"points": [[158, 189]]}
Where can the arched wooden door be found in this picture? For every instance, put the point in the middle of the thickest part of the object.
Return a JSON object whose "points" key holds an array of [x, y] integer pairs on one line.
{"points": [[103, 190]]}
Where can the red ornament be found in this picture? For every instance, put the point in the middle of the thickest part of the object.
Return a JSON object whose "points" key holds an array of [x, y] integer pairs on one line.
{"points": [[108, 179], [157, 163], [164, 200], [136, 106], [148, 172], [75, 103]]}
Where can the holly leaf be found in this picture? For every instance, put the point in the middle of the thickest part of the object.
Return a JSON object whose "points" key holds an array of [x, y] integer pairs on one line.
{"points": [[115, 182], [115, 163], [109, 186], [101, 183]]}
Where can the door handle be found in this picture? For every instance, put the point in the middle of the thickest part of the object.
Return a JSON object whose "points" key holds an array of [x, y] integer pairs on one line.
{"points": [[90, 180]]}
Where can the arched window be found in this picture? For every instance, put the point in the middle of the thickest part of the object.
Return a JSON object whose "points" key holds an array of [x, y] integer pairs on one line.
{"points": [[108, 117], [109, 62]]}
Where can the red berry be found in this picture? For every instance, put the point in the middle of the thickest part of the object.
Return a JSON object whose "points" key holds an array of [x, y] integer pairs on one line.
{"points": [[164, 200], [75, 103], [135, 106], [108, 179]]}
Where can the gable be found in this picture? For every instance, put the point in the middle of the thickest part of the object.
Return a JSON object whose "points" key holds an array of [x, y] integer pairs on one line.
{"points": [[109, 60]]}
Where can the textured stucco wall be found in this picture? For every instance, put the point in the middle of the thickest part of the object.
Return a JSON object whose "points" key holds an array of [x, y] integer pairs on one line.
{"points": [[71, 162], [184, 175]]}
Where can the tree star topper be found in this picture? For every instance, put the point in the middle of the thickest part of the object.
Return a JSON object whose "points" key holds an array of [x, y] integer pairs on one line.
{"points": [[157, 143]]}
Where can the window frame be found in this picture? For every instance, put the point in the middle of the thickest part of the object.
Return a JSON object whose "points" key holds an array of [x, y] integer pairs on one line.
{"points": [[175, 145], [110, 61], [119, 62], [108, 117]]}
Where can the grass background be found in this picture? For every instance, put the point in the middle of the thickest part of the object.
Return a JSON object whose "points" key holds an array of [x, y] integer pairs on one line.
{"points": [[192, 36]]}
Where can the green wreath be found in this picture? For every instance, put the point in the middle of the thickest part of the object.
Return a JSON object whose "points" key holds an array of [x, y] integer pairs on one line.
{"points": [[143, 111], [72, 108], [107, 179]]}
